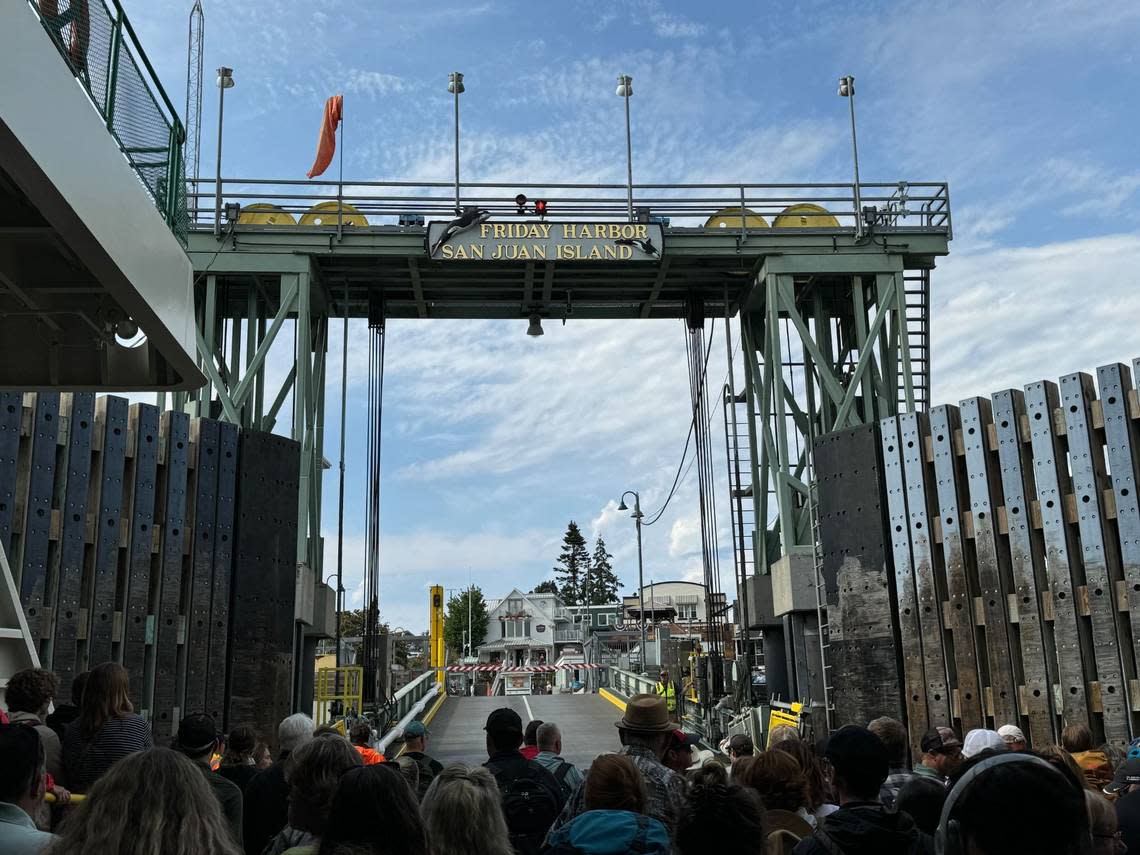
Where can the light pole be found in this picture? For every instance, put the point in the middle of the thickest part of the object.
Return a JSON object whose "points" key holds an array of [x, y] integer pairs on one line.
{"points": [[847, 90], [455, 86], [225, 81], [625, 90], [470, 594], [637, 515]]}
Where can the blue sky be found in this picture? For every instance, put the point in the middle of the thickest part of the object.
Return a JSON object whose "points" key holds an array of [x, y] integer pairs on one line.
{"points": [[493, 441]]}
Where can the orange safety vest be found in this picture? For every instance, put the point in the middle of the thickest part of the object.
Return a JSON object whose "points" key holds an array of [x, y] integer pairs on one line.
{"points": [[370, 756]]}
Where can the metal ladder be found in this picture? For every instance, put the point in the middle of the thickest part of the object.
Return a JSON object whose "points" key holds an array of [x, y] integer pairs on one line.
{"points": [[741, 492], [916, 285], [821, 608]]}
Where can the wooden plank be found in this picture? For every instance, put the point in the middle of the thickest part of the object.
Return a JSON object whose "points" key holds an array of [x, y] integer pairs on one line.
{"points": [[1026, 563], [142, 476], [166, 585], [1123, 445], [32, 572], [11, 415], [79, 410], [1101, 568], [929, 586], [111, 423], [1051, 479], [198, 583], [959, 612], [993, 576], [910, 635], [220, 589]]}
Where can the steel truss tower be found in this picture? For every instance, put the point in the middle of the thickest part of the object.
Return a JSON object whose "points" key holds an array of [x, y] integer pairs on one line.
{"points": [[826, 343]]}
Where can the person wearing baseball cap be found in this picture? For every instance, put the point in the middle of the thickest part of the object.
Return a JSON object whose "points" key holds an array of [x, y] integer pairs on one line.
{"points": [[1013, 737], [532, 798], [1125, 787], [198, 738], [679, 754], [645, 732], [415, 741], [941, 754]]}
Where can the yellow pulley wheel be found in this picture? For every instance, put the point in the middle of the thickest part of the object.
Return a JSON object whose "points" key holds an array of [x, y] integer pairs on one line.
{"points": [[324, 214], [263, 214], [729, 218], [805, 216]]}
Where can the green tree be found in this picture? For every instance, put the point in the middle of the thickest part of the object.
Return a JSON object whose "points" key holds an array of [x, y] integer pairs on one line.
{"points": [[547, 587], [572, 566], [455, 620], [604, 583], [352, 623]]}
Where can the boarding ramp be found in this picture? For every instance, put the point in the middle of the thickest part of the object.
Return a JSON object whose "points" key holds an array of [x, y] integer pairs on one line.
{"points": [[587, 723]]}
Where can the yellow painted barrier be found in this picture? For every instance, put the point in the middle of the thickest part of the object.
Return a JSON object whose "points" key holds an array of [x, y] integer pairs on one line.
{"points": [[613, 699]]}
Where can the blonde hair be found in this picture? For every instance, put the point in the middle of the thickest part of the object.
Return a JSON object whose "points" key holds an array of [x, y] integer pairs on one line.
{"points": [[463, 813], [150, 801]]}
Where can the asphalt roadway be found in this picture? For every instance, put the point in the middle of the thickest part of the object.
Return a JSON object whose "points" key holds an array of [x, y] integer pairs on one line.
{"points": [[587, 723]]}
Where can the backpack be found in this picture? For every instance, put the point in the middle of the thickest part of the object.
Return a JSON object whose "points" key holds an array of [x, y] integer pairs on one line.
{"points": [[530, 809], [560, 775]]}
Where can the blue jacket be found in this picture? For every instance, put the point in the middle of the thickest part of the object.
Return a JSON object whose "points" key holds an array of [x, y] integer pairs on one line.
{"points": [[609, 832]]}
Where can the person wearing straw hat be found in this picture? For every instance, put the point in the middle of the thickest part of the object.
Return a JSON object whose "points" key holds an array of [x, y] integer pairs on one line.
{"points": [[645, 731]]}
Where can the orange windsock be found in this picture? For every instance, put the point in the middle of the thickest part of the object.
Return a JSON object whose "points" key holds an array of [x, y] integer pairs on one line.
{"points": [[326, 142]]}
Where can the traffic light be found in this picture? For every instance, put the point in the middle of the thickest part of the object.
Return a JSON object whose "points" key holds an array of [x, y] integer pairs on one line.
{"points": [[520, 201], [540, 207]]}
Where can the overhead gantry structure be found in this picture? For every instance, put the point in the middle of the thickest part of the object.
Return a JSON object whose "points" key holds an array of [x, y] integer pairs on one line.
{"points": [[833, 319]]}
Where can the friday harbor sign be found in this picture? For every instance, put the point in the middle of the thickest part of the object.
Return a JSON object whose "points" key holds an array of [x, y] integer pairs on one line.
{"points": [[545, 241]]}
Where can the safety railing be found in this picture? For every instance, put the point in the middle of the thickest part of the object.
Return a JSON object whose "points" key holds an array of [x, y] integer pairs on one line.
{"points": [[338, 691], [101, 48], [408, 703], [338, 206], [630, 684], [568, 635]]}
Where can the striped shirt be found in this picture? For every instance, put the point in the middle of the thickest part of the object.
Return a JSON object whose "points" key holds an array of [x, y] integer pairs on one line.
{"points": [[85, 761]]}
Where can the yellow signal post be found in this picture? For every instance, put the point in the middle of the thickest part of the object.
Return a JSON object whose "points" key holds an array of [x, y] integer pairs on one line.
{"points": [[436, 645]]}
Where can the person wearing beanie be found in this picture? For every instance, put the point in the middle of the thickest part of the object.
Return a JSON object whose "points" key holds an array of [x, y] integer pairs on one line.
{"points": [[198, 738], [862, 826]]}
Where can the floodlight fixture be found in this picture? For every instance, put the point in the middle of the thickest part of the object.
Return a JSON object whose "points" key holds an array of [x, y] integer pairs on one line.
{"points": [[534, 328], [225, 78], [455, 82]]}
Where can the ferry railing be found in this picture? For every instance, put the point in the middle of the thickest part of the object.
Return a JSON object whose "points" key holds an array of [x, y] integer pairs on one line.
{"points": [[99, 45], [887, 206]]}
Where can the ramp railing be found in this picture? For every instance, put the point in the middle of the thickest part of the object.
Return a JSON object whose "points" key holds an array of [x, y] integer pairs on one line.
{"points": [[408, 704], [99, 45], [630, 684]]}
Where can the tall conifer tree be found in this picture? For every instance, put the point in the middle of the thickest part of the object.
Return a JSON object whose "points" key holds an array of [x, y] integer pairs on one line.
{"points": [[572, 566]]}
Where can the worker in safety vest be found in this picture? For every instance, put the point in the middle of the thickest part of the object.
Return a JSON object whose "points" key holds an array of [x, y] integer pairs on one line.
{"points": [[667, 689]]}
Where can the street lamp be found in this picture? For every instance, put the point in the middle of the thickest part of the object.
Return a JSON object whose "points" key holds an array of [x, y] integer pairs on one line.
{"points": [[624, 90], [847, 90], [637, 515], [225, 81], [455, 86]]}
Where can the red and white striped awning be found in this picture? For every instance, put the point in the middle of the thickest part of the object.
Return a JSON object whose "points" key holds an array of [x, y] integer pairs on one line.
{"points": [[522, 669]]}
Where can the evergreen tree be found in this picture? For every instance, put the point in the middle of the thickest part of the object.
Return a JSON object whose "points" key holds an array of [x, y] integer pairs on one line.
{"points": [[573, 565], [455, 621], [547, 587], [604, 583]]}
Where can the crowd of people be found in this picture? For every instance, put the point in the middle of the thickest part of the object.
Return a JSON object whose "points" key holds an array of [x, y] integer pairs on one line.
{"points": [[331, 793]]}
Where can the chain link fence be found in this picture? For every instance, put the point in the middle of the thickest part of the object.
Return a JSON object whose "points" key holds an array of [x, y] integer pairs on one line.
{"points": [[104, 53]]}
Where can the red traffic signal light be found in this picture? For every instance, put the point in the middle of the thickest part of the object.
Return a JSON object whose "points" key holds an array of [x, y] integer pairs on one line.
{"points": [[540, 207]]}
